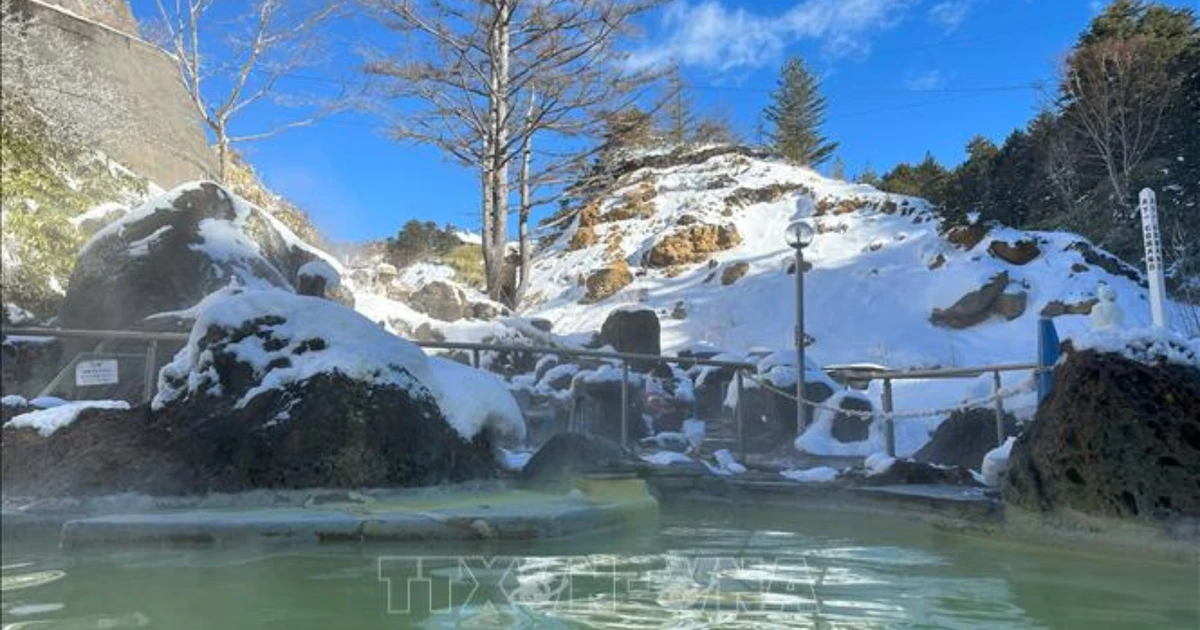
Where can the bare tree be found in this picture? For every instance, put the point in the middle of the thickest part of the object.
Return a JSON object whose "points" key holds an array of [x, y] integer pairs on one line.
{"points": [[245, 57], [1117, 92], [487, 78], [48, 86]]}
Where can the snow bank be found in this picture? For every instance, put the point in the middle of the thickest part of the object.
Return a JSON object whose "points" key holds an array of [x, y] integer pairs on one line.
{"points": [[47, 421], [473, 400], [820, 474], [348, 344], [726, 462], [666, 458], [1145, 345], [995, 463]]}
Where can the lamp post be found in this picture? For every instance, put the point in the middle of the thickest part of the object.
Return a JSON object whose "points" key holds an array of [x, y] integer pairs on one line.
{"points": [[798, 236]]}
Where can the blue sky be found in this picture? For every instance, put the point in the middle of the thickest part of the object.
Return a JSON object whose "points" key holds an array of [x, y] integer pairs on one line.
{"points": [[902, 77]]}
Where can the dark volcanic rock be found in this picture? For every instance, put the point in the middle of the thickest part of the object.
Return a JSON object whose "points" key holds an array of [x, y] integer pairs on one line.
{"points": [[568, 455], [852, 427], [906, 471], [633, 330], [101, 452], [1116, 438], [329, 431], [964, 438]]}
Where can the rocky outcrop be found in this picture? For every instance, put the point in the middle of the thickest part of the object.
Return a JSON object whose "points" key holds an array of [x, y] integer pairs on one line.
{"points": [[906, 471], [692, 244], [596, 405], [171, 253], [440, 300], [966, 236], [1116, 438], [1018, 253], [605, 282], [1106, 261], [743, 197], [977, 306], [964, 438], [1054, 308]]}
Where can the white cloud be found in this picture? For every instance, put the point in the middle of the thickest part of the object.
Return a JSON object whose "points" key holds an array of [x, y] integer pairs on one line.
{"points": [[710, 35], [928, 80], [949, 15]]}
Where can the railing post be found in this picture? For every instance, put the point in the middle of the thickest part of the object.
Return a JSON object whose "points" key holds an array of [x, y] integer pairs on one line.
{"points": [[624, 403], [999, 408], [475, 358], [737, 416], [890, 422], [151, 361]]}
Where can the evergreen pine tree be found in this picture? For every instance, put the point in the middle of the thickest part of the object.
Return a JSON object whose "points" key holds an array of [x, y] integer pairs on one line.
{"points": [[796, 113]]}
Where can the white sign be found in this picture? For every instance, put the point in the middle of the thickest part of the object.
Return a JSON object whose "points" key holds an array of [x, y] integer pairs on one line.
{"points": [[99, 372], [1154, 258]]}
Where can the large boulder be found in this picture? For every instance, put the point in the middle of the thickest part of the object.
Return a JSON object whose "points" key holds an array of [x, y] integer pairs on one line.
{"points": [[441, 300], [1117, 437], [633, 330], [964, 438], [174, 250], [605, 282]]}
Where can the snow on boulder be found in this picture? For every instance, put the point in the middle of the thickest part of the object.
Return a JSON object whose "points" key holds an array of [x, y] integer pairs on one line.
{"points": [[275, 339], [276, 389], [474, 400], [172, 251], [846, 413], [316, 278], [47, 421]]}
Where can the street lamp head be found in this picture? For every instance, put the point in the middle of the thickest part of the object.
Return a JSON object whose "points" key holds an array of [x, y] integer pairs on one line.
{"points": [[799, 234]]}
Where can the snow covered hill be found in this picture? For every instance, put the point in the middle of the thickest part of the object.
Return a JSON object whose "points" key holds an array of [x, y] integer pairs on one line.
{"points": [[703, 244]]}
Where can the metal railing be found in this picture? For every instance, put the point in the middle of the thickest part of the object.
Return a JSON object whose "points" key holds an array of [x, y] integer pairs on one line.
{"points": [[624, 359]]}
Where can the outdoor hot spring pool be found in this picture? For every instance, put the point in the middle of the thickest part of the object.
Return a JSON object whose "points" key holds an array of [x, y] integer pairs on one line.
{"points": [[703, 567]]}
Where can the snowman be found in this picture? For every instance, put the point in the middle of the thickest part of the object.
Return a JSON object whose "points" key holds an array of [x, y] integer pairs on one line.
{"points": [[1106, 315]]}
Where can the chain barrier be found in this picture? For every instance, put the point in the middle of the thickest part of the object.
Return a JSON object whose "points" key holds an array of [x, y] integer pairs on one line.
{"points": [[1002, 394]]}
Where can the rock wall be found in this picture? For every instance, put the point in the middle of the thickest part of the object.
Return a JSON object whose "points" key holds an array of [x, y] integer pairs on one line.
{"points": [[164, 138], [111, 13]]}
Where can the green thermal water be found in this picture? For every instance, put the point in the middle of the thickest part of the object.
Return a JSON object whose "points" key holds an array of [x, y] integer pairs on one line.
{"points": [[713, 567]]}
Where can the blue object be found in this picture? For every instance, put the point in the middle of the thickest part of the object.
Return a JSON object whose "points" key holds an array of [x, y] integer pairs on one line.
{"points": [[1047, 356]]}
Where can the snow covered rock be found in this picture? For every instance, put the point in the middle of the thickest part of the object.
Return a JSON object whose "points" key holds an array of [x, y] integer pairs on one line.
{"points": [[441, 300], [964, 438], [174, 250], [277, 389], [1118, 436], [974, 307], [317, 278]]}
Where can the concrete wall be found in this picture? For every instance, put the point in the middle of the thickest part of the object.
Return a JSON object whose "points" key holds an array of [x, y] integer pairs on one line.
{"points": [[164, 138], [112, 13]]}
